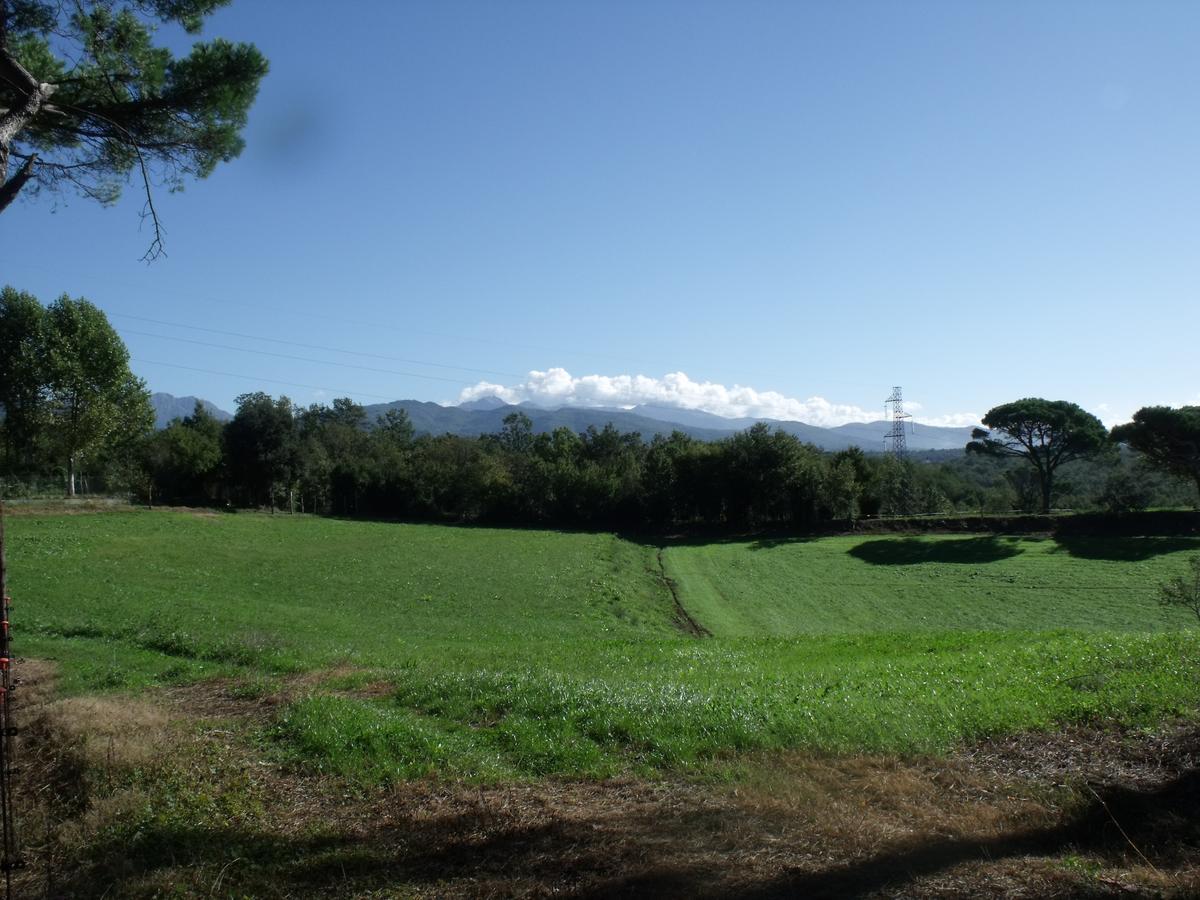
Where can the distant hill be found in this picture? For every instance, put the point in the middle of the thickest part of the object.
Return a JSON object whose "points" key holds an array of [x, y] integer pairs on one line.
{"points": [[168, 407], [870, 435], [483, 403], [812, 434], [486, 416], [430, 418], [866, 435]]}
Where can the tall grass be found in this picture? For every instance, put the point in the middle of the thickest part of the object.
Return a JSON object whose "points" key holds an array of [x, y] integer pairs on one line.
{"points": [[681, 705]]}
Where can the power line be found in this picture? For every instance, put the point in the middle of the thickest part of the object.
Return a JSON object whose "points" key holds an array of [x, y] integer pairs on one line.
{"points": [[341, 320], [374, 326], [305, 359], [363, 353], [288, 356], [408, 330], [314, 387]]}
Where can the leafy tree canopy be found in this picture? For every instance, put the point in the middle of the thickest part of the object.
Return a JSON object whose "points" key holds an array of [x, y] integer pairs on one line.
{"points": [[517, 434], [22, 352], [87, 98], [1169, 438], [194, 442], [396, 427], [260, 443], [66, 388], [93, 401], [1045, 433]]}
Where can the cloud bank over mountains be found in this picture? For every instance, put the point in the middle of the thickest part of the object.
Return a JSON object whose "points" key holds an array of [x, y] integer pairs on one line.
{"points": [[558, 387]]}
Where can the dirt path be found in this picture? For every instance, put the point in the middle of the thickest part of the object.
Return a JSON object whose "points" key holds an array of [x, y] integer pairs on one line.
{"points": [[683, 619]]}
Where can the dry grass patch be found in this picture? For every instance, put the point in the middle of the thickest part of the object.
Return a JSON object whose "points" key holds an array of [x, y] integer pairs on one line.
{"points": [[108, 734], [864, 801], [176, 796], [17, 508]]}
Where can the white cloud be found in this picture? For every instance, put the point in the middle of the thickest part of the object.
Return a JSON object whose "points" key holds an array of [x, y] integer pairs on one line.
{"points": [[948, 420], [557, 387], [952, 420]]}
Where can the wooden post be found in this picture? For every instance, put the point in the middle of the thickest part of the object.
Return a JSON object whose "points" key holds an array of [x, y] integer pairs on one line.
{"points": [[3, 563], [7, 820]]}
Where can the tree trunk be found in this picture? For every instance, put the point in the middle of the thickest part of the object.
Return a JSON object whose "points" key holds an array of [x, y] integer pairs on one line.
{"points": [[71, 476], [1047, 480], [13, 121], [9, 189]]}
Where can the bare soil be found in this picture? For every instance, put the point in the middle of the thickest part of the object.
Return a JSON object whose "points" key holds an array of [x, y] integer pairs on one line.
{"points": [[683, 619], [1078, 813]]}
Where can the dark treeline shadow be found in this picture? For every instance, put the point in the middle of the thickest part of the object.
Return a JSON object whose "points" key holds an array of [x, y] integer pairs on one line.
{"points": [[1127, 549], [909, 551]]}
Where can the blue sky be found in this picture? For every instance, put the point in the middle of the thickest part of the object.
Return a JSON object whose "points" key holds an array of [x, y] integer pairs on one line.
{"points": [[977, 201]]}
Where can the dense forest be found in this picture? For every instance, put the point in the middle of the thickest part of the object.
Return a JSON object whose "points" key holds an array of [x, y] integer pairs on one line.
{"points": [[75, 417], [331, 460]]}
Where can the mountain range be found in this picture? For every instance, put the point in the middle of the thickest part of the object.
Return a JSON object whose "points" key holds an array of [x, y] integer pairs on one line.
{"points": [[486, 416], [168, 407]]}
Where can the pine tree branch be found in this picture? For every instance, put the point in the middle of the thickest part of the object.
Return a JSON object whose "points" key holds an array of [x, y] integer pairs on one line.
{"points": [[12, 187]]}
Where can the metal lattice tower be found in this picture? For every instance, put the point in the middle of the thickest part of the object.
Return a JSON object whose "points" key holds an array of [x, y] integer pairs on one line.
{"points": [[895, 442]]}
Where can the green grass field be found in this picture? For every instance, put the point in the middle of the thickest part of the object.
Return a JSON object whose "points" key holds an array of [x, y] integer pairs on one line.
{"points": [[837, 585], [511, 653]]}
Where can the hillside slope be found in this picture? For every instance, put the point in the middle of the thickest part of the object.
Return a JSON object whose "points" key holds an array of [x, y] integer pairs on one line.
{"points": [[931, 583]]}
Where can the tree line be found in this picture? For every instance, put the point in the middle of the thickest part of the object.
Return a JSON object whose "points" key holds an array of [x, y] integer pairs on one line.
{"points": [[331, 460], [72, 406]]}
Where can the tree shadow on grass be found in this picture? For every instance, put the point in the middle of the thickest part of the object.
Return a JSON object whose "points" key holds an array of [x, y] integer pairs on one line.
{"points": [[410, 854], [756, 540], [1125, 549], [769, 543], [489, 851], [909, 551], [1163, 823]]}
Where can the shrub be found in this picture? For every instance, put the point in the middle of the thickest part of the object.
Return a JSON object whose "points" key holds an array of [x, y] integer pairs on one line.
{"points": [[1184, 590]]}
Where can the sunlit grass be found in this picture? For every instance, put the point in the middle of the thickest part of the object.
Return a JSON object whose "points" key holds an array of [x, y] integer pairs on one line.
{"points": [[505, 654], [933, 582]]}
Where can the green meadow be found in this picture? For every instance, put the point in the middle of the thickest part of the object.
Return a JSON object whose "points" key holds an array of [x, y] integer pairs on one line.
{"points": [[834, 585], [497, 654]]}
